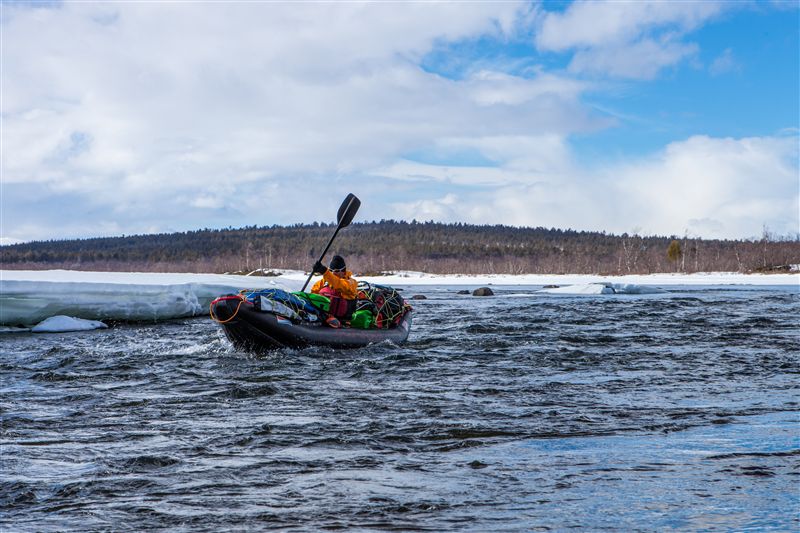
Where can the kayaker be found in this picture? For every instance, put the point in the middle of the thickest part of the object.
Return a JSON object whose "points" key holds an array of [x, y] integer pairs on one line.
{"points": [[338, 284]]}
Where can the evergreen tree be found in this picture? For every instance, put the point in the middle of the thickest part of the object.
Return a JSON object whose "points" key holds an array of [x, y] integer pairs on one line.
{"points": [[674, 252]]}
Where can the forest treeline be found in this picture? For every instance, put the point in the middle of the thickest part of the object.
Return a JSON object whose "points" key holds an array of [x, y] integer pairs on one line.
{"points": [[389, 245]]}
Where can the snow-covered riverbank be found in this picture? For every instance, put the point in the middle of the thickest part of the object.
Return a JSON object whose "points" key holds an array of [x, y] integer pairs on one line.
{"points": [[29, 297]]}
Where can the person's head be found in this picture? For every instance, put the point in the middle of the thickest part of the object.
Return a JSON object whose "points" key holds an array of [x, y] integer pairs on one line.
{"points": [[337, 265]]}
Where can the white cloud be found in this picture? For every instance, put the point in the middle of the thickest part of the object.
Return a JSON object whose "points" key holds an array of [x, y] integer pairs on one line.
{"points": [[521, 159], [167, 101], [737, 184], [447, 208], [489, 88], [624, 39], [643, 59], [587, 24], [724, 63], [206, 202], [712, 187]]}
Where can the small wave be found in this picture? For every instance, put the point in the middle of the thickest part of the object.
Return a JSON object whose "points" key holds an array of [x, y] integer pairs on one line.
{"points": [[239, 392], [739, 455], [54, 376], [466, 433], [588, 339], [147, 462], [15, 493]]}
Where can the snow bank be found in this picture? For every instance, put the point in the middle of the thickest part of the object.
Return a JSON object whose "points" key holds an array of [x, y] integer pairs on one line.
{"points": [[28, 297], [585, 288], [630, 288], [61, 323], [603, 288], [703, 278]]}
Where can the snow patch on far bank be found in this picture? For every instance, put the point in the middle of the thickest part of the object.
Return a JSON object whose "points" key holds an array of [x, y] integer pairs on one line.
{"points": [[28, 297], [61, 323], [700, 278], [602, 288]]}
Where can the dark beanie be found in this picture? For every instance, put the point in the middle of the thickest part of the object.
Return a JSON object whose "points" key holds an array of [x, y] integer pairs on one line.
{"points": [[337, 263]]}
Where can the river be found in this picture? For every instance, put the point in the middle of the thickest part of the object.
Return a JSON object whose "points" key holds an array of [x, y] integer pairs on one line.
{"points": [[516, 412]]}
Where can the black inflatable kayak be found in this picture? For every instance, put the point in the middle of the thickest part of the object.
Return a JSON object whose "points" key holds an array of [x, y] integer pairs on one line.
{"points": [[252, 330]]}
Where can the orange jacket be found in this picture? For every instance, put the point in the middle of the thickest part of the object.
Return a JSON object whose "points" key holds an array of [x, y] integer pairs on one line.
{"points": [[345, 287]]}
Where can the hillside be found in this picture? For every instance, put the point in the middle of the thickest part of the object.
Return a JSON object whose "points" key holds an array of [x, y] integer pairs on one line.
{"points": [[390, 246]]}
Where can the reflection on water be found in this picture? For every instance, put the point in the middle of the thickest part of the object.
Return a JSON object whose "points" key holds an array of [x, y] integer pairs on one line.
{"points": [[674, 410]]}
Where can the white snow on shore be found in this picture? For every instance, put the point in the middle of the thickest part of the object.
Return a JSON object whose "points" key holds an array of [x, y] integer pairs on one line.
{"points": [[603, 288], [61, 323], [705, 278], [28, 297]]}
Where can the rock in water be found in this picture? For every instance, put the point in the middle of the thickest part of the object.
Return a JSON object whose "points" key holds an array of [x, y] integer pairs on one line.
{"points": [[483, 291], [419, 297]]}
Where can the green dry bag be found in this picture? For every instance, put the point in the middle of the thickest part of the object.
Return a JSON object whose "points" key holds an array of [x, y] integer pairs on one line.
{"points": [[317, 300], [363, 319]]}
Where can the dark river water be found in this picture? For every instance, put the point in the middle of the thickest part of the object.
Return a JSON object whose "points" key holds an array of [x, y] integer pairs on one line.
{"points": [[518, 412]]}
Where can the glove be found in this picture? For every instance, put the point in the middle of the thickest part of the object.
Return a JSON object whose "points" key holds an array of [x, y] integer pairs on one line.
{"points": [[319, 268]]}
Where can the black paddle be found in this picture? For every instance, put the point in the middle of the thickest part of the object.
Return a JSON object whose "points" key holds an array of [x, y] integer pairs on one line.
{"points": [[344, 217]]}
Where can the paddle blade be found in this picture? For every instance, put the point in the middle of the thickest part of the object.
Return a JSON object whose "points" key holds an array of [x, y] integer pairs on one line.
{"points": [[348, 210]]}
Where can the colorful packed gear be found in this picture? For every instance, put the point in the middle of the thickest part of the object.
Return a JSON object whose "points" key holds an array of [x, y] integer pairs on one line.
{"points": [[384, 303], [376, 306]]}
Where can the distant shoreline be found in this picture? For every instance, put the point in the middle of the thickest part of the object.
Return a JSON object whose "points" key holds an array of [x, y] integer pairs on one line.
{"points": [[711, 278], [376, 247], [29, 297], [293, 278]]}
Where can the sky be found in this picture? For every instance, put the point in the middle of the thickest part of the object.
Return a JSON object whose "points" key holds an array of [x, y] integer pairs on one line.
{"points": [[657, 118]]}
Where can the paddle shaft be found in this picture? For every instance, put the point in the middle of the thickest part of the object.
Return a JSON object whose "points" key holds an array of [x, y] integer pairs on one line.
{"points": [[345, 215]]}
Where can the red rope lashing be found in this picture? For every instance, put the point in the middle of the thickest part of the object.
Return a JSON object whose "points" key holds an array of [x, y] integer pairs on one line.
{"points": [[222, 298]]}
